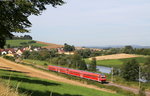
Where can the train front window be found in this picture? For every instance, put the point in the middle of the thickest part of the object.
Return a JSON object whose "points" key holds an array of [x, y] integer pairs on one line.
{"points": [[103, 76]]}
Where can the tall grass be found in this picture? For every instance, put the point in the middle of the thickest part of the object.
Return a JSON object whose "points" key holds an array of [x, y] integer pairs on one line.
{"points": [[7, 90]]}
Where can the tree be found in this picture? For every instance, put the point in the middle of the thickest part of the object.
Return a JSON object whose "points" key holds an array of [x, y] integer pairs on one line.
{"points": [[68, 48], [128, 50], [82, 65], [130, 70], [92, 66], [14, 15], [44, 54], [26, 54], [8, 46], [146, 69], [35, 55]]}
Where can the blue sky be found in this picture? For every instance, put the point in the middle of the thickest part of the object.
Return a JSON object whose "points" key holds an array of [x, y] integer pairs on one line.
{"points": [[94, 23]]}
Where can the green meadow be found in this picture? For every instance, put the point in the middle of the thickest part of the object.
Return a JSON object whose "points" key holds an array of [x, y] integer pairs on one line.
{"points": [[37, 62], [116, 62], [40, 87], [18, 43]]}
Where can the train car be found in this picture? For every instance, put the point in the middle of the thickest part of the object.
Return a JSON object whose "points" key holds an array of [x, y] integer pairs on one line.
{"points": [[75, 72], [53, 68], [79, 73], [89, 75], [63, 70], [94, 76], [102, 78]]}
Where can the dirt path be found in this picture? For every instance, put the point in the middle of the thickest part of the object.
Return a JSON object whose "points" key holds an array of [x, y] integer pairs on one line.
{"points": [[135, 90], [8, 65]]}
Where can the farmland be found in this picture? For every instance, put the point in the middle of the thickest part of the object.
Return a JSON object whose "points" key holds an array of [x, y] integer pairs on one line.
{"points": [[34, 86], [18, 43], [116, 56], [116, 62]]}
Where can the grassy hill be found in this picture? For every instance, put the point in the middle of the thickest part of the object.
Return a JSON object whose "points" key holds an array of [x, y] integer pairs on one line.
{"points": [[40, 87], [18, 43], [49, 45]]}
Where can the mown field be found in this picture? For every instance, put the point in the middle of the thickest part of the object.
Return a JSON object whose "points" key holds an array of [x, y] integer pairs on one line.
{"points": [[116, 62], [18, 43], [39, 87]]}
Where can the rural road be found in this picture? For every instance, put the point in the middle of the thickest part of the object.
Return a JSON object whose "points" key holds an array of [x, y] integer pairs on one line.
{"points": [[135, 90], [8, 65]]}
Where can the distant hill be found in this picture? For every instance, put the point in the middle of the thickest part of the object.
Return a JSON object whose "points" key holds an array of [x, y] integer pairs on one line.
{"points": [[116, 46], [49, 45]]}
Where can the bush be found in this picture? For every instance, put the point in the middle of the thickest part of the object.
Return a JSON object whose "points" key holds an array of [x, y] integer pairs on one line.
{"points": [[9, 58]]}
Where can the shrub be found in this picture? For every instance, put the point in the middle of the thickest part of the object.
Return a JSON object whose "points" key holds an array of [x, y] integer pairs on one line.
{"points": [[9, 58]]}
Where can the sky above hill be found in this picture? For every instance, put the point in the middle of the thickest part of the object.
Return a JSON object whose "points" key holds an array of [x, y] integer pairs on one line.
{"points": [[94, 23]]}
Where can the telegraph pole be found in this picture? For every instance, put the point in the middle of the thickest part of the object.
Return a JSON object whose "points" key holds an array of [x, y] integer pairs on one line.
{"points": [[112, 73], [139, 77]]}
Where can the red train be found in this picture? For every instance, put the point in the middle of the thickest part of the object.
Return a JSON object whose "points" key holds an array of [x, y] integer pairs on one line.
{"points": [[79, 73]]}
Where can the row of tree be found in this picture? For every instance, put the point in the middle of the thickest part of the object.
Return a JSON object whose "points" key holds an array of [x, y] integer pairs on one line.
{"points": [[40, 55], [86, 53], [74, 61], [128, 50], [70, 61], [25, 37]]}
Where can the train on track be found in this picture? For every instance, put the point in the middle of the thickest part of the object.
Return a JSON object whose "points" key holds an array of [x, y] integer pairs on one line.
{"points": [[79, 73]]}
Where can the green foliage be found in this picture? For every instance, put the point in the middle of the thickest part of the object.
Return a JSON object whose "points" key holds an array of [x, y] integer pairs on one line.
{"points": [[26, 54], [82, 65], [8, 46], [23, 43], [34, 55], [72, 61], [130, 70], [85, 53], [92, 65], [14, 15], [142, 51], [9, 58], [68, 48], [146, 69], [128, 50]]}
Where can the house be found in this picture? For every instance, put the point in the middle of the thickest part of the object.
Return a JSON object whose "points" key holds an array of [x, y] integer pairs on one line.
{"points": [[19, 52], [69, 53], [11, 51], [60, 51], [35, 49], [3, 52]]}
